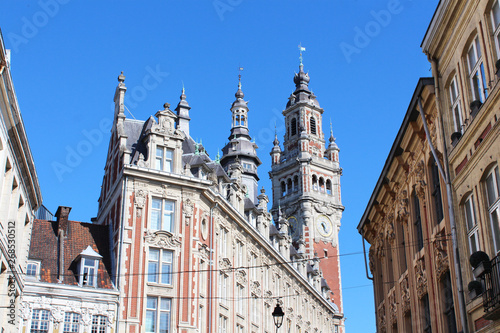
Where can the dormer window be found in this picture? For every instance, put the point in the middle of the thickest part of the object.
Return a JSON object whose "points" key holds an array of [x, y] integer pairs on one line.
{"points": [[87, 267], [164, 159], [32, 270]]}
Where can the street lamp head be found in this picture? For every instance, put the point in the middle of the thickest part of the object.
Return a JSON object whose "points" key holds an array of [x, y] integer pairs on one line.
{"points": [[278, 315]]}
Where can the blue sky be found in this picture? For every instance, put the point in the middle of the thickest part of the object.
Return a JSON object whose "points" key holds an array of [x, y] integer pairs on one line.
{"points": [[363, 57]]}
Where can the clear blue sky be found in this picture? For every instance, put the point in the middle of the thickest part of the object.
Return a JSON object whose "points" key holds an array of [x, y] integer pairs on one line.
{"points": [[364, 59]]}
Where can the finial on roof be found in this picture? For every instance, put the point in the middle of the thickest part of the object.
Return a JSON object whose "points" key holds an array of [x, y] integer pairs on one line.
{"points": [[239, 94], [183, 90], [301, 49], [166, 106], [217, 158], [121, 78]]}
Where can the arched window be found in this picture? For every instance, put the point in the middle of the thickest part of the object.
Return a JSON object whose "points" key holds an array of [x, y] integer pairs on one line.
{"points": [[289, 185], [242, 120], [312, 123], [417, 222], [295, 183], [322, 184], [315, 182], [237, 122], [293, 126], [329, 187], [283, 189]]}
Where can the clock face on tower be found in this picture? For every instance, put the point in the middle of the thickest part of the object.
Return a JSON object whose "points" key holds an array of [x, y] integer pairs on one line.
{"points": [[324, 226], [294, 226]]}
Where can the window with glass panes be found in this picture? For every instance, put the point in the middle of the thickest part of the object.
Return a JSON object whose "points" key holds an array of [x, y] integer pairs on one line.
{"points": [[40, 321], [241, 298], [223, 286], [98, 324], [160, 266], [495, 24], [31, 269], [71, 322], [223, 243], [436, 191], [447, 302], [162, 214], [88, 273], [455, 105], [417, 223], [158, 314], [472, 228], [492, 196], [238, 256], [476, 72], [164, 159]]}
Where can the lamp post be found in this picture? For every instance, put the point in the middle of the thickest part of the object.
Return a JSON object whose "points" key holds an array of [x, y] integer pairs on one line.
{"points": [[278, 315]]}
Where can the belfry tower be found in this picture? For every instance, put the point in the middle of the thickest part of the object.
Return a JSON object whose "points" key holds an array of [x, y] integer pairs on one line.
{"points": [[240, 149], [306, 184]]}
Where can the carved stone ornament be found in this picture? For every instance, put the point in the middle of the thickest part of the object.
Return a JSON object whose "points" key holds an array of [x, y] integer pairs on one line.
{"points": [[161, 239], [405, 294], [225, 264], [420, 180], [268, 297], [204, 251], [57, 314], [140, 198], [86, 317], [421, 278], [381, 317], [324, 209], [24, 310], [187, 208], [241, 277], [255, 288], [402, 209], [393, 306], [440, 257], [379, 246], [141, 162], [371, 257], [389, 231]]}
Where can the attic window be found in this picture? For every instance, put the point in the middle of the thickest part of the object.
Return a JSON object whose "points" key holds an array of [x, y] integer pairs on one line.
{"points": [[87, 267], [33, 270]]}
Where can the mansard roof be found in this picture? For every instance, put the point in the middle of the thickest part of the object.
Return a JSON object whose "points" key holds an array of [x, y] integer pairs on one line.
{"points": [[79, 236]]}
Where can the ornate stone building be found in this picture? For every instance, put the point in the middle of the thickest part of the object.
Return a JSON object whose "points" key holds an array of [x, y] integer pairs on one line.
{"points": [[195, 248], [462, 44], [20, 197], [407, 224], [68, 282]]}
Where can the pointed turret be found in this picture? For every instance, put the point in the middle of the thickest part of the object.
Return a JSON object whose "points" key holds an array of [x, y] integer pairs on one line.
{"points": [[183, 113], [240, 146]]}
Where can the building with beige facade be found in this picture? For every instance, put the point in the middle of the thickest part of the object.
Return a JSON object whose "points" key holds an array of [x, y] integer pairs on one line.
{"points": [[20, 197], [195, 248], [463, 46], [407, 224]]}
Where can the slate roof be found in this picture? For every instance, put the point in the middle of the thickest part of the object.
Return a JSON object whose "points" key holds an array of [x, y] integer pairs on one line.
{"points": [[79, 235]]}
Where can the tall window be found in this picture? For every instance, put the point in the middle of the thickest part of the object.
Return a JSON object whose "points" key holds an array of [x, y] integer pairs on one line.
{"points": [[492, 194], [426, 314], [495, 23], [255, 307], [476, 72], [312, 122], [253, 266], [238, 256], [158, 314], [293, 126], [160, 266], [472, 228], [401, 248], [98, 324], [162, 215], [164, 159], [436, 191], [71, 322], [447, 302], [222, 324], [88, 272], [295, 183], [315, 182], [223, 243], [223, 281], [283, 189], [417, 223], [329, 187], [455, 106], [40, 321], [241, 298]]}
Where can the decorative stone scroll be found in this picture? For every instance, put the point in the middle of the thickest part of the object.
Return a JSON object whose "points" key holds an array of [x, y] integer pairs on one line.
{"points": [[255, 288], [393, 308], [140, 200], [188, 208], [405, 294], [241, 277], [402, 207], [441, 256], [421, 278], [161, 239]]}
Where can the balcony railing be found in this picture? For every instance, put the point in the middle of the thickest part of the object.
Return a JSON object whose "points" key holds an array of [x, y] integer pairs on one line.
{"points": [[491, 295]]}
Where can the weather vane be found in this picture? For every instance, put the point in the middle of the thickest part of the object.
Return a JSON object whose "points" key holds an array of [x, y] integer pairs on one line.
{"points": [[301, 49], [240, 69]]}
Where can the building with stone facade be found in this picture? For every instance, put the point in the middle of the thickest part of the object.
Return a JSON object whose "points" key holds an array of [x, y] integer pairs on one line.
{"points": [[195, 248], [407, 223], [463, 46], [68, 286], [20, 197]]}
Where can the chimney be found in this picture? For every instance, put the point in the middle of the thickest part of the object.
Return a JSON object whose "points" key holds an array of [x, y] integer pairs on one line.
{"points": [[62, 219], [62, 228]]}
